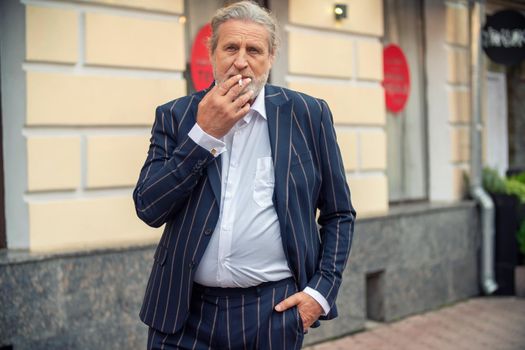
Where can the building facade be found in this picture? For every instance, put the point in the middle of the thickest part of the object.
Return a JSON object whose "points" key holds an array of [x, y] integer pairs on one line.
{"points": [[80, 81]]}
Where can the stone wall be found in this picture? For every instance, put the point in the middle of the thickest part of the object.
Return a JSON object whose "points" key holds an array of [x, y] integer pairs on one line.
{"points": [[77, 301], [413, 260], [417, 259]]}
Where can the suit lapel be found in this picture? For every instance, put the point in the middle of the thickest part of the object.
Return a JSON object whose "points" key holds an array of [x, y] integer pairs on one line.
{"points": [[279, 114]]}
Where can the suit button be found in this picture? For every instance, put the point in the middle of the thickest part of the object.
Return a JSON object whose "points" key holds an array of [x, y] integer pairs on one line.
{"points": [[191, 265], [208, 231]]}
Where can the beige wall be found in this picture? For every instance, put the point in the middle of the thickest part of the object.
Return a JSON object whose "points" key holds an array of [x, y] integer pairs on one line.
{"points": [[458, 87], [95, 71], [342, 62]]}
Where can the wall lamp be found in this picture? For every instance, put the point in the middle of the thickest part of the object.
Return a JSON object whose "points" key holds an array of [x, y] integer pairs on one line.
{"points": [[340, 11]]}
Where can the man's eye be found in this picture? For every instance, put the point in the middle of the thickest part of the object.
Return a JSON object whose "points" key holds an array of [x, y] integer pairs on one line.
{"points": [[230, 48], [253, 50]]}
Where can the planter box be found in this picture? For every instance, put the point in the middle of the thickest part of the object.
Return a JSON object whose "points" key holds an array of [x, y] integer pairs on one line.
{"points": [[508, 215], [519, 277]]}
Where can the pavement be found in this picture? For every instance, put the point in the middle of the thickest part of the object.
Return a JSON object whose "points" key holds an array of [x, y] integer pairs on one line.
{"points": [[484, 323]]}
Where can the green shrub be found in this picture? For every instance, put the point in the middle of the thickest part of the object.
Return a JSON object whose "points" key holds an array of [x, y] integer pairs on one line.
{"points": [[520, 177], [516, 188], [492, 182]]}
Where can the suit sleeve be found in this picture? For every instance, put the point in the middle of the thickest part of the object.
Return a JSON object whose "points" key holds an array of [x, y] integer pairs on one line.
{"points": [[172, 170], [337, 215]]}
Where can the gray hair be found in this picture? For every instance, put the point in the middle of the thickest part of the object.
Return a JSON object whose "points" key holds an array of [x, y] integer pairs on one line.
{"points": [[245, 11]]}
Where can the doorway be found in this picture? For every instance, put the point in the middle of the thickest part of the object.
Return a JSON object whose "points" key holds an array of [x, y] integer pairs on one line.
{"points": [[516, 117]]}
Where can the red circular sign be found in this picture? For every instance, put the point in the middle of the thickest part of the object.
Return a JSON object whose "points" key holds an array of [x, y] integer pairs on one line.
{"points": [[200, 65], [396, 81]]}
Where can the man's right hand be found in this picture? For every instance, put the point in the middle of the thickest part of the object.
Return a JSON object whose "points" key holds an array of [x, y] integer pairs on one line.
{"points": [[223, 106]]}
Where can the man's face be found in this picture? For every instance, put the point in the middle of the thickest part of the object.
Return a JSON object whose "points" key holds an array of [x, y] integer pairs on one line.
{"points": [[242, 48]]}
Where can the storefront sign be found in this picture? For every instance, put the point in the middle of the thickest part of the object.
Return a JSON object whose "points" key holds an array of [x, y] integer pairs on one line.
{"points": [[503, 37], [200, 65], [396, 81]]}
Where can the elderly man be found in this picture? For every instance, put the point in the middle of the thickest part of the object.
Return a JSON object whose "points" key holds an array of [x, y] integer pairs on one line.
{"points": [[237, 173]]}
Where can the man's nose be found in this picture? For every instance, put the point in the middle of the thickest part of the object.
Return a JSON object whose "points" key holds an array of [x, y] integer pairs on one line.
{"points": [[240, 60]]}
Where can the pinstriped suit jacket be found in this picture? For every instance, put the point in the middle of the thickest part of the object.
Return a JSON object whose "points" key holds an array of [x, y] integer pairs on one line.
{"points": [[180, 185]]}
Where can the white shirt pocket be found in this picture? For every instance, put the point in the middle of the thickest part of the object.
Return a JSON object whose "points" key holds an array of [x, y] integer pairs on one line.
{"points": [[264, 182]]}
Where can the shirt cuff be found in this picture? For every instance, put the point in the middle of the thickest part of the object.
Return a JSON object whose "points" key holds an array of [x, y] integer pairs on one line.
{"points": [[206, 141], [319, 298]]}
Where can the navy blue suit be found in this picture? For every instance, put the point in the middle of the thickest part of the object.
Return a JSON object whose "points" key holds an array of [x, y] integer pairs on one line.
{"points": [[180, 186]]}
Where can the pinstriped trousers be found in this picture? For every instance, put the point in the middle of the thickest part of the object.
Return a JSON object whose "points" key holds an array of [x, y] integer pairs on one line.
{"points": [[236, 318]]}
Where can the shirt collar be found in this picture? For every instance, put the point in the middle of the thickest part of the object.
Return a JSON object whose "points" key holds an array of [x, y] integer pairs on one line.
{"points": [[258, 106]]}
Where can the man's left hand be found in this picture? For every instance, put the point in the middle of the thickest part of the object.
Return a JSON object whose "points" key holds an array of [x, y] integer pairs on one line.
{"points": [[309, 308]]}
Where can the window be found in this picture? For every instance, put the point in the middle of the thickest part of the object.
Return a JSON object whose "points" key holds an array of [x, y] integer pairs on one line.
{"points": [[406, 136]]}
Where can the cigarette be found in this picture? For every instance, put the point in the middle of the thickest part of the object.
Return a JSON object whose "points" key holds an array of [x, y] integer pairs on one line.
{"points": [[240, 82]]}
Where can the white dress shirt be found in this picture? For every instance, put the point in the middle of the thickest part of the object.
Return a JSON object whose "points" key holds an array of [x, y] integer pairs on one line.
{"points": [[246, 248]]}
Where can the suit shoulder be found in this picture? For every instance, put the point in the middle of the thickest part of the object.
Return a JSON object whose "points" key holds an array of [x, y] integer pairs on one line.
{"points": [[305, 106], [313, 104], [181, 102]]}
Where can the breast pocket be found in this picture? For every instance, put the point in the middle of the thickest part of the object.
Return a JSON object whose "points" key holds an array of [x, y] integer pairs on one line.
{"points": [[264, 182]]}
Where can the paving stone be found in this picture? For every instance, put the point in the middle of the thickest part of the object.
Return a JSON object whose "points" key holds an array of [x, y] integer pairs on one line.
{"points": [[494, 323]]}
